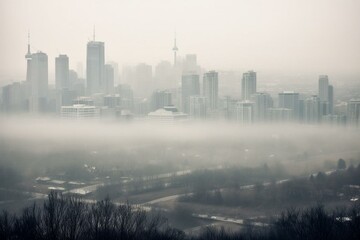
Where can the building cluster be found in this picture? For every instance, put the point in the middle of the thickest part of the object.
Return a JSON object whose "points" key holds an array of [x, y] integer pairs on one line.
{"points": [[174, 92]]}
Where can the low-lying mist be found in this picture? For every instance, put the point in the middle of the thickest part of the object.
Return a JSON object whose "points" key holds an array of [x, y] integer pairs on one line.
{"points": [[37, 146]]}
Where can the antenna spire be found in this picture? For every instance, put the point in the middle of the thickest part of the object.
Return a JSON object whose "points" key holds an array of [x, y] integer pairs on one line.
{"points": [[28, 54], [175, 49]]}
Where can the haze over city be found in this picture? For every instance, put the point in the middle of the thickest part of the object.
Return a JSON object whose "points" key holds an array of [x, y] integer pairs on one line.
{"points": [[293, 38], [181, 120]]}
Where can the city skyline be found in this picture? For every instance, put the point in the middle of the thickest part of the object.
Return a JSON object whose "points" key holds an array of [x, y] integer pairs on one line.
{"points": [[245, 47]]}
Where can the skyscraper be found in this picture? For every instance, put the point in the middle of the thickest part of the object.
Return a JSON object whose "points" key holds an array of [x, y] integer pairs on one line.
{"points": [[262, 101], [190, 86], [248, 85], [62, 72], [290, 100], [326, 96], [323, 88], [95, 67], [331, 99], [210, 89], [38, 82]]}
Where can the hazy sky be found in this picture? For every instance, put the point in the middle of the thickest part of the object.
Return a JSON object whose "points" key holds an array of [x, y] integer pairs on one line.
{"points": [[307, 36]]}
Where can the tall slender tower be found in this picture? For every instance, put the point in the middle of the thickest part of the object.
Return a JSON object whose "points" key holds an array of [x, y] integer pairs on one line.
{"points": [[28, 60], [175, 49]]}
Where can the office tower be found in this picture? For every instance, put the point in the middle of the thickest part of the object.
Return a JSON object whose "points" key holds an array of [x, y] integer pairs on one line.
{"points": [[62, 72], [290, 100], [38, 87], [323, 88], [326, 96], [353, 112], [262, 101], [312, 109], [198, 107], [244, 112], [190, 86], [248, 85], [95, 67], [109, 79], [210, 89], [331, 99], [279, 114], [160, 99]]}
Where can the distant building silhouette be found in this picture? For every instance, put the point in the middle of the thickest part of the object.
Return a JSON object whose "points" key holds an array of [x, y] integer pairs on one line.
{"points": [[190, 86], [248, 85], [211, 89], [95, 67]]}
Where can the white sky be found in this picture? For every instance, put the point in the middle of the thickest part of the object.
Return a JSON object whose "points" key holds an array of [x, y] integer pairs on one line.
{"points": [[303, 36]]}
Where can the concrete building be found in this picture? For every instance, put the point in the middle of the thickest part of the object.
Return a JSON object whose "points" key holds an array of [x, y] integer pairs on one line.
{"points": [[248, 85], [262, 102], [211, 90], [62, 72], [190, 86], [95, 67], [38, 84]]}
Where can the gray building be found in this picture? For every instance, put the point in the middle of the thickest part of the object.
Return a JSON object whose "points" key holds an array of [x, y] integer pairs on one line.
{"points": [[290, 100], [62, 72], [262, 102], [190, 86], [38, 84], [160, 99], [211, 89], [248, 85], [312, 109], [95, 67]]}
